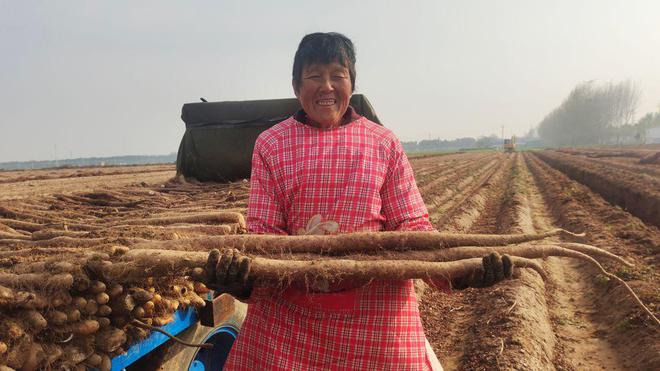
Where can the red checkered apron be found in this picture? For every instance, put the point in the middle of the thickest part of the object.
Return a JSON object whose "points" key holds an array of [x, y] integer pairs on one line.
{"points": [[357, 175]]}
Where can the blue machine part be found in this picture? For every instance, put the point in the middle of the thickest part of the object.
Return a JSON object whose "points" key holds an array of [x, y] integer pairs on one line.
{"points": [[182, 320], [222, 339]]}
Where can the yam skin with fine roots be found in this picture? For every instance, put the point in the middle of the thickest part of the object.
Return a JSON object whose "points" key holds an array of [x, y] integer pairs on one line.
{"points": [[424, 263], [89, 307], [360, 242]]}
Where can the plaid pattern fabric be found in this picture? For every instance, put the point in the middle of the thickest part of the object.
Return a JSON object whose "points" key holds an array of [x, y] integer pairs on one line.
{"points": [[358, 176]]}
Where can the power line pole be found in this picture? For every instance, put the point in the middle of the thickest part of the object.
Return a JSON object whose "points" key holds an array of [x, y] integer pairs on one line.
{"points": [[502, 138]]}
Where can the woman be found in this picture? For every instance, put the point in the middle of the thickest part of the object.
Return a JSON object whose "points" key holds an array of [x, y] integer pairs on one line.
{"points": [[328, 160]]}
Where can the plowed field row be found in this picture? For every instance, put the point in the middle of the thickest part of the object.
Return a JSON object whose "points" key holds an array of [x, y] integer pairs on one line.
{"points": [[449, 192], [627, 164], [428, 175], [566, 323], [637, 193], [627, 151], [604, 311]]}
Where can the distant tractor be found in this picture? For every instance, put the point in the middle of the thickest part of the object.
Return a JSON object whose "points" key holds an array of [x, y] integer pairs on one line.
{"points": [[510, 145]]}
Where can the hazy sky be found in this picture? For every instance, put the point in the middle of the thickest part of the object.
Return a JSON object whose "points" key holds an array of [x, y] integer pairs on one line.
{"points": [[90, 78]]}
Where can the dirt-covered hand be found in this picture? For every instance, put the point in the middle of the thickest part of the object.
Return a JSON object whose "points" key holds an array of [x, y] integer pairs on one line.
{"points": [[495, 268], [228, 271]]}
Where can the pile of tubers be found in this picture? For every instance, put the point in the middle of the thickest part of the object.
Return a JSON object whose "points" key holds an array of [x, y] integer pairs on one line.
{"points": [[78, 313], [58, 314]]}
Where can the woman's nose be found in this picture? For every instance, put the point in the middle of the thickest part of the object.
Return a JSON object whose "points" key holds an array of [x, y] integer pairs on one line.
{"points": [[326, 84]]}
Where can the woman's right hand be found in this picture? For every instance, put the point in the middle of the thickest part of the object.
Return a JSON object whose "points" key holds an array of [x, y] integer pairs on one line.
{"points": [[228, 271]]}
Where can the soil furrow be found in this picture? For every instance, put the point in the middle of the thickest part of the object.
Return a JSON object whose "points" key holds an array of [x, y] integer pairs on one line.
{"points": [[445, 200], [523, 326], [637, 194], [458, 342], [596, 326]]}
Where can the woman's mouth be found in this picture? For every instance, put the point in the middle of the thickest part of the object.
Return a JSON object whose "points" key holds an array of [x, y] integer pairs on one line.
{"points": [[326, 102]]}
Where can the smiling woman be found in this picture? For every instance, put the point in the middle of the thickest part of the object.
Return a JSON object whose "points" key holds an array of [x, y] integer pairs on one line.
{"points": [[328, 163], [324, 93], [324, 78]]}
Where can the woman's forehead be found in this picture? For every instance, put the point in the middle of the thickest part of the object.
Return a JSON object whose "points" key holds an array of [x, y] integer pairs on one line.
{"points": [[333, 66]]}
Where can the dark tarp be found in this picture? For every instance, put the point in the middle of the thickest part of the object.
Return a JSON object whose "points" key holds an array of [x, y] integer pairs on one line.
{"points": [[219, 138]]}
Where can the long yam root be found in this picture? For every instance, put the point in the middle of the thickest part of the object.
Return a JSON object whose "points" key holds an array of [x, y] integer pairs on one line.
{"points": [[342, 269], [21, 299], [33, 251], [21, 225], [362, 242], [530, 251], [140, 263], [48, 234], [37, 280], [53, 265], [163, 261], [13, 236], [65, 241], [199, 218]]}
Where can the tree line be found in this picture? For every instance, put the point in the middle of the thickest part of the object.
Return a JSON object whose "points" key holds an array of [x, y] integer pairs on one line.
{"points": [[466, 143], [596, 113], [90, 161]]}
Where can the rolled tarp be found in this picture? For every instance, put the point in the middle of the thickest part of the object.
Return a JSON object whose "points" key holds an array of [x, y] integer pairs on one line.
{"points": [[219, 139]]}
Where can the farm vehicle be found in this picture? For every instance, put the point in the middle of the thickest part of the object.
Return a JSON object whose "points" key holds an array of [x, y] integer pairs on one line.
{"points": [[510, 145]]}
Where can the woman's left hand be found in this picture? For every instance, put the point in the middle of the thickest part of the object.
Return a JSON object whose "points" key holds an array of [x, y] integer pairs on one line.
{"points": [[495, 268]]}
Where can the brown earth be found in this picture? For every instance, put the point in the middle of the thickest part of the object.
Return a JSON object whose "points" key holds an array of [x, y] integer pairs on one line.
{"points": [[577, 320], [638, 151], [635, 192], [567, 323], [36, 183]]}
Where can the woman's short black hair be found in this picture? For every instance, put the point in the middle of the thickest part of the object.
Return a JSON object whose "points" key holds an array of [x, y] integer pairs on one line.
{"points": [[324, 48]]}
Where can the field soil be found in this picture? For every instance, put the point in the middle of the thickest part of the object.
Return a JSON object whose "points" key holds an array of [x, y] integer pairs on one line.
{"points": [[636, 191], [575, 320], [36, 183]]}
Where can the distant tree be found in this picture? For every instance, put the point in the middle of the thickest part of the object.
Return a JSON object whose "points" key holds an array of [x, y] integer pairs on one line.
{"points": [[530, 135], [647, 122], [410, 147], [488, 142], [591, 114]]}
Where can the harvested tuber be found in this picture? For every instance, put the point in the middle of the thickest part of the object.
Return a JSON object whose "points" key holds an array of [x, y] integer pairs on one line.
{"points": [[140, 295], [102, 298], [104, 310], [103, 322], [96, 287], [115, 290], [109, 339], [35, 357], [83, 328], [56, 317], [35, 320], [94, 360]]}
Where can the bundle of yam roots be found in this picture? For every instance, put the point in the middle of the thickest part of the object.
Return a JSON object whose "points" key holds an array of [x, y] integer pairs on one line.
{"points": [[82, 308]]}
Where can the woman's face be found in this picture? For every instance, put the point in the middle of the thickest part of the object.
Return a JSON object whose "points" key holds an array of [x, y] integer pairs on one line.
{"points": [[324, 93]]}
